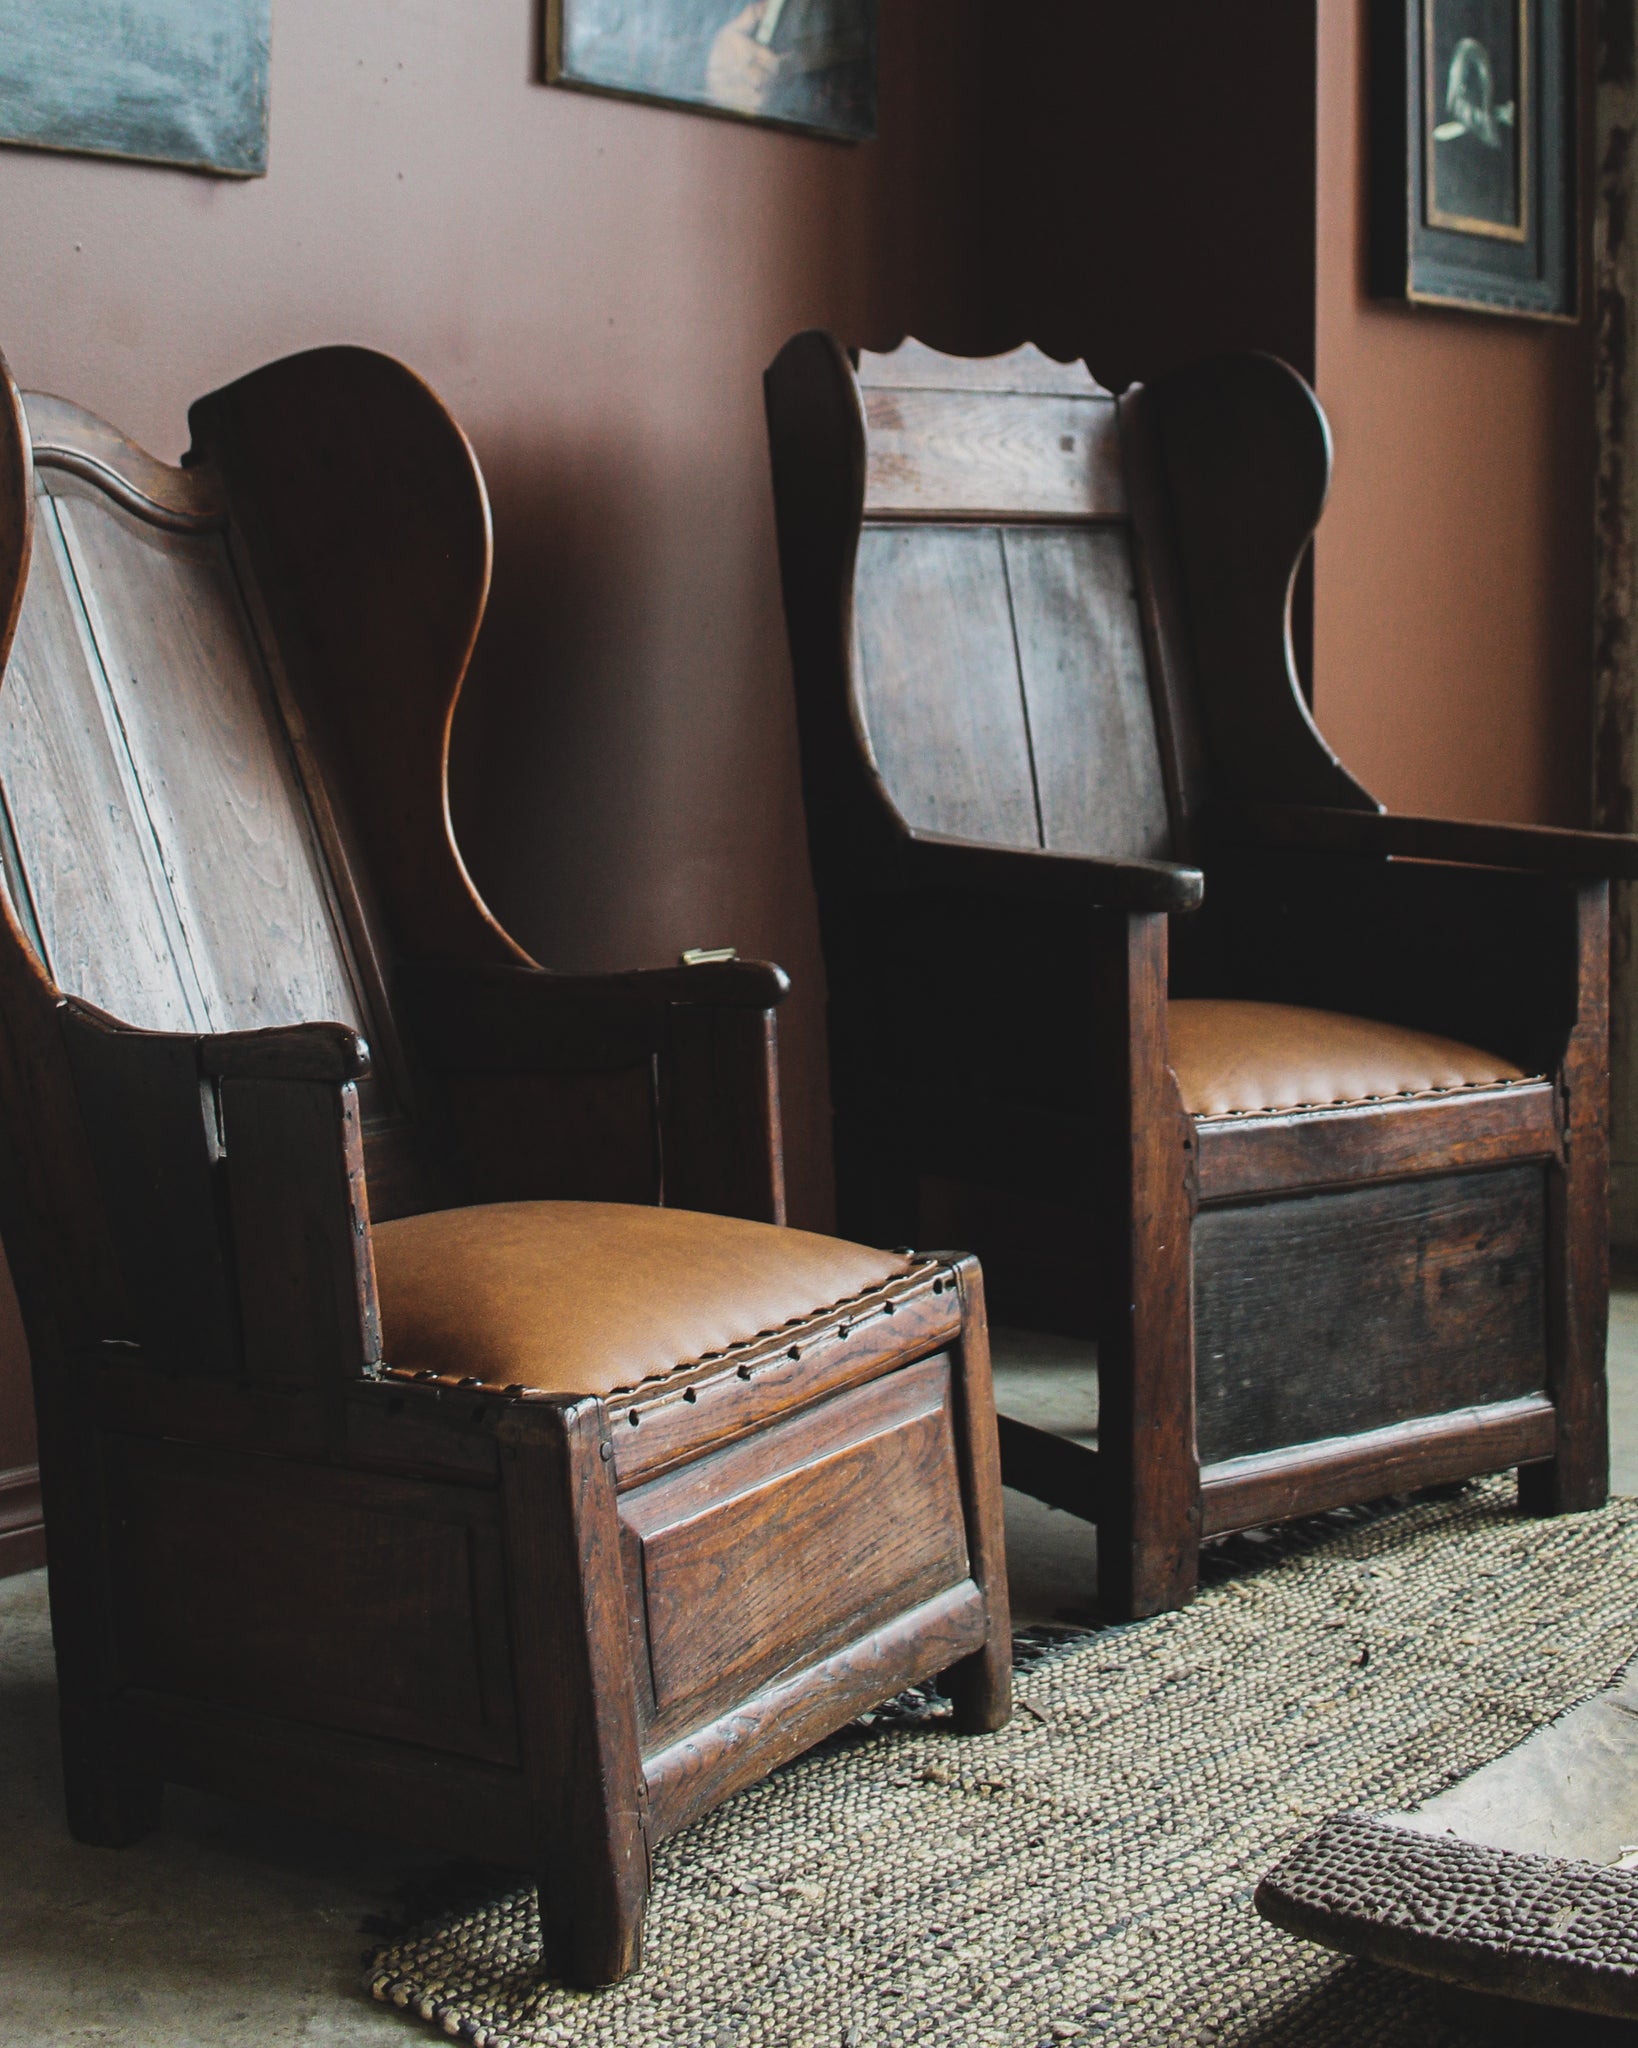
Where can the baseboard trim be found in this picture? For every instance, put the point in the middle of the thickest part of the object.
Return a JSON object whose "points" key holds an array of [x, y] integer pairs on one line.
{"points": [[22, 1527]]}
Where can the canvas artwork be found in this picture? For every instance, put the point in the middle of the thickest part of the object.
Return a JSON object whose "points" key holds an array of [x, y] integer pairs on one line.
{"points": [[1478, 117], [167, 81], [807, 64]]}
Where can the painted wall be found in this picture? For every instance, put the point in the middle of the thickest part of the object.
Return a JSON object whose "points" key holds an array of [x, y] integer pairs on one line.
{"points": [[595, 288], [1151, 180], [1453, 572]]}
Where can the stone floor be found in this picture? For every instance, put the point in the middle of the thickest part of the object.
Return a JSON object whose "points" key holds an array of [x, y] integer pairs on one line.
{"points": [[229, 1926]]}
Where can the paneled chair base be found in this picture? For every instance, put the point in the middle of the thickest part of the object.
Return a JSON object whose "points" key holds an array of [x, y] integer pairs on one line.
{"points": [[1322, 1369], [645, 1503]]}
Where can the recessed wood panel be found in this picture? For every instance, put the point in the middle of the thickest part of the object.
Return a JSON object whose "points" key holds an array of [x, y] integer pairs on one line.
{"points": [[330, 1597], [942, 701], [81, 866], [983, 454], [215, 774], [1086, 686], [1322, 1315], [761, 1558]]}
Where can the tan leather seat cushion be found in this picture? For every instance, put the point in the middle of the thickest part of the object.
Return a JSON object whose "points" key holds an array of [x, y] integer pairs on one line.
{"points": [[1236, 1058], [593, 1297]]}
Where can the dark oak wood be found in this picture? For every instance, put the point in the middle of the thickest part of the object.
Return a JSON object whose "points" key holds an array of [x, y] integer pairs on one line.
{"points": [[576, 1693], [711, 1763], [251, 1007], [833, 1567], [1283, 1154], [1432, 1450], [1058, 772], [1385, 1301]]}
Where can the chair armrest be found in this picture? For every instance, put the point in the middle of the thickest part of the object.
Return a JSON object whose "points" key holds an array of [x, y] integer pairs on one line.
{"points": [[707, 1029], [288, 1052], [1075, 881], [502, 1019], [1536, 849], [238, 1209]]}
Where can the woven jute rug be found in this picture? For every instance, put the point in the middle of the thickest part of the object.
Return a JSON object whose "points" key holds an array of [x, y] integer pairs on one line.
{"points": [[1086, 1875]]}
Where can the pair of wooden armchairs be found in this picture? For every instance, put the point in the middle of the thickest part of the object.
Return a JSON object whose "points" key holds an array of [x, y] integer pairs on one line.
{"points": [[437, 1432], [1108, 926]]}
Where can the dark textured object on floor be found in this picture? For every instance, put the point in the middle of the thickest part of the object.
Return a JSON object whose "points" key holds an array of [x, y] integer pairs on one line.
{"points": [[1108, 926], [437, 1434], [1517, 1881], [1092, 1866]]}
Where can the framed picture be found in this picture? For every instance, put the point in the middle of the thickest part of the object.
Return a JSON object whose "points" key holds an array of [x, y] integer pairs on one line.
{"points": [[804, 64], [164, 81], [1474, 155]]}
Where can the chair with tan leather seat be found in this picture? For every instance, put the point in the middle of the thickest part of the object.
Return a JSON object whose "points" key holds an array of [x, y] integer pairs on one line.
{"points": [[440, 1432], [1111, 934]]}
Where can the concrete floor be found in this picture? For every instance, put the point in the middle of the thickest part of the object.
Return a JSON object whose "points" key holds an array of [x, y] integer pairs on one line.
{"points": [[235, 1927]]}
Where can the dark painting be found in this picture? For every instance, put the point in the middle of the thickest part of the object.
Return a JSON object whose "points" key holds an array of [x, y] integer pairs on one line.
{"points": [[1478, 117], [808, 64], [1473, 154], [168, 81]]}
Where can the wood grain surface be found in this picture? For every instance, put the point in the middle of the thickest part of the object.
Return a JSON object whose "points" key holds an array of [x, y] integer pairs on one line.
{"points": [[933, 604], [782, 1540], [938, 453], [1085, 677], [1326, 1314]]}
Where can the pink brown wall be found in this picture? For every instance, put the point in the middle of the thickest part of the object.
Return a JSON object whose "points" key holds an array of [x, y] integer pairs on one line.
{"points": [[1453, 572]]}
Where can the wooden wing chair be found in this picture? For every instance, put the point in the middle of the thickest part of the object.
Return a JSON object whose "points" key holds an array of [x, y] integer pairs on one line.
{"points": [[1337, 1132], [405, 1461]]}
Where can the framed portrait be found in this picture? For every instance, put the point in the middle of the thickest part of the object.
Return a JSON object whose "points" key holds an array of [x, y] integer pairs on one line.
{"points": [[1474, 155], [803, 64]]}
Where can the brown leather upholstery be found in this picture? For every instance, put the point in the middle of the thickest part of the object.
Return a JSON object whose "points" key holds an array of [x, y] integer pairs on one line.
{"points": [[593, 1297], [1237, 1058]]}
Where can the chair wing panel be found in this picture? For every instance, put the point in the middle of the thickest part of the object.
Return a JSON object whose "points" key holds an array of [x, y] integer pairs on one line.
{"points": [[939, 685], [159, 848], [1246, 453], [213, 769], [1086, 687], [81, 867], [366, 518]]}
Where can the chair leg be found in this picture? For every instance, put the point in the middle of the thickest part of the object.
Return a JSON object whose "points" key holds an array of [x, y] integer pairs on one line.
{"points": [[1578, 1253], [576, 1696], [1148, 1467], [980, 1686]]}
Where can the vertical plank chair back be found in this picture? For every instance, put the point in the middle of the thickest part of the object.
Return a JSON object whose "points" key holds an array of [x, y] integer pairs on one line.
{"points": [[1003, 666], [158, 845]]}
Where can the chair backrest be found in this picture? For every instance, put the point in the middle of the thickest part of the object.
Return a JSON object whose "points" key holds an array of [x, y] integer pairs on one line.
{"points": [[157, 837], [1025, 612], [1004, 667]]}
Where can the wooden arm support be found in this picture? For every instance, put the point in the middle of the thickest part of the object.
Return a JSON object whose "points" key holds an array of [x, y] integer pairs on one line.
{"points": [[292, 1052], [234, 1166], [1071, 881], [709, 1030], [1538, 849]]}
